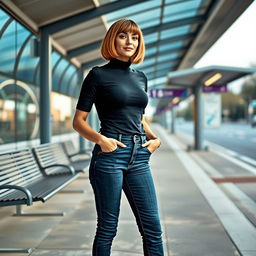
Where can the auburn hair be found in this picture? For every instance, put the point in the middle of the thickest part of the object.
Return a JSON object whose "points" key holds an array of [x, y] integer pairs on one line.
{"points": [[108, 49]]}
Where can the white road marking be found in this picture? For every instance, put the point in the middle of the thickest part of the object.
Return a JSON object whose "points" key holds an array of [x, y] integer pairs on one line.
{"points": [[235, 161], [230, 155], [237, 193], [248, 160], [242, 197], [241, 231]]}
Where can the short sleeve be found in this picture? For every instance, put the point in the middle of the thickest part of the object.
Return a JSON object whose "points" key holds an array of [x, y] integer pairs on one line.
{"points": [[88, 92]]}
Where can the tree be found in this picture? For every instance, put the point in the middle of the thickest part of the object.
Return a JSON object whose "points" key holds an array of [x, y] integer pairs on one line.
{"points": [[248, 92], [233, 105]]}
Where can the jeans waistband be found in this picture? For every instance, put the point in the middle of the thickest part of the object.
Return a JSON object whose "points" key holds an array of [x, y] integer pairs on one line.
{"points": [[120, 136]]}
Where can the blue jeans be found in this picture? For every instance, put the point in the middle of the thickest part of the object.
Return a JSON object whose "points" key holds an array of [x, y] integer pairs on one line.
{"points": [[125, 169]]}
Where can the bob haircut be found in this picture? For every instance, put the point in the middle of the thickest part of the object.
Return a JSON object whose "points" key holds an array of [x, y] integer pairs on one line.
{"points": [[108, 49]]}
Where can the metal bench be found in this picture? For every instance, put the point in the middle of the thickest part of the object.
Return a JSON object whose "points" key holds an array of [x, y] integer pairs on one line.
{"points": [[51, 156], [78, 158], [74, 154], [22, 182]]}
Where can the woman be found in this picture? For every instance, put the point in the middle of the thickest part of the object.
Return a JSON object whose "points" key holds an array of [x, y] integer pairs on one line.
{"points": [[125, 141]]}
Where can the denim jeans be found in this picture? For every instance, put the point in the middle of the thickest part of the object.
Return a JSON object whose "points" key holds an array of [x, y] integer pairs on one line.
{"points": [[125, 169]]}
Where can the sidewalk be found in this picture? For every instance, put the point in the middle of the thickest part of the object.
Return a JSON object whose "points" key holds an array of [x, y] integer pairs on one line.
{"points": [[198, 218]]}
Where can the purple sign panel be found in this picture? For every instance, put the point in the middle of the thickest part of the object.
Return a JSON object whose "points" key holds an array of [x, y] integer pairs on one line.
{"points": [[167, 93], [215, 88]]}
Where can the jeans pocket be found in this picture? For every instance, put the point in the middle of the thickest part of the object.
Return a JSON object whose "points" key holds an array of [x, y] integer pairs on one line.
{"points": [[111, 152], [146, 148]]}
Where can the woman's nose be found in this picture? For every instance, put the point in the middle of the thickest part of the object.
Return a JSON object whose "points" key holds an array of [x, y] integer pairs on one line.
{"points": [[128, 40]]}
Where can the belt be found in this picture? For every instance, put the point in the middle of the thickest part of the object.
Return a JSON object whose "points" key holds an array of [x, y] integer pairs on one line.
{"points": [[119, 136]]}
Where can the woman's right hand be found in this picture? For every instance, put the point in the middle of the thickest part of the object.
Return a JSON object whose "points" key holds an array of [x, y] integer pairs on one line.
{"points": [[109, 144]]}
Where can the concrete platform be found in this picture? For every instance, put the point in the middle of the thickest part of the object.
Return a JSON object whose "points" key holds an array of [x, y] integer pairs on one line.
{"points": [[192, 225]]}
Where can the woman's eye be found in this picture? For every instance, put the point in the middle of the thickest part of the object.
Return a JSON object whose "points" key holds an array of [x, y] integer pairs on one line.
{"points": [[135, 38], [122, 36]]}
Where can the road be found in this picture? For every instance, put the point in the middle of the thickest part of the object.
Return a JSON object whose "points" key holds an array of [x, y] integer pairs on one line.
{"points": [[237, 137]]}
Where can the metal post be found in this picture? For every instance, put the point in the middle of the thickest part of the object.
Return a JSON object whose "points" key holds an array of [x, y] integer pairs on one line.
{"points": [[198, 119], [173, 115], [162, 119], [166, 120], [45, 87]]}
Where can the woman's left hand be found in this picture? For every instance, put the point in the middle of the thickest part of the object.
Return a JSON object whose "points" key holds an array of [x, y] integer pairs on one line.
{"points": [[152, 145]]}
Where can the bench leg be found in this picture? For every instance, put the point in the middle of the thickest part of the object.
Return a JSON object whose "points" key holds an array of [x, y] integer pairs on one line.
{"points": [[15, 250], [19, 212]]}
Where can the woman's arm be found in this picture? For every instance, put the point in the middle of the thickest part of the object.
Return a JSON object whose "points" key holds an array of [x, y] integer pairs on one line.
{"points": [[86, 131], [149, 133], [83, 128], [152, 140]]}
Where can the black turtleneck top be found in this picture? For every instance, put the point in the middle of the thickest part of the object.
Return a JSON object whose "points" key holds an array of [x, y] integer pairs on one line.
{"points": [[119, 94]]}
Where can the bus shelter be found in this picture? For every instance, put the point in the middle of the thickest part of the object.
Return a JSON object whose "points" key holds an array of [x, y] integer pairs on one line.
{"points": [[198, 78]]}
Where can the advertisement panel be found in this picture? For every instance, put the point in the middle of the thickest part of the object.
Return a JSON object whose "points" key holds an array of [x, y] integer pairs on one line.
{"points": [[211, 110]]}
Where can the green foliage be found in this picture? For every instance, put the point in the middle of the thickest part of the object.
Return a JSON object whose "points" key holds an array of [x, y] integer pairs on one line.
{"points": [[186, 113], [233, 105], [249, 88]]}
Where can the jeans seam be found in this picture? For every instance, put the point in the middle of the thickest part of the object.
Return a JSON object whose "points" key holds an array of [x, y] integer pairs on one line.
{"points": [[99, 205], [141, 223]]}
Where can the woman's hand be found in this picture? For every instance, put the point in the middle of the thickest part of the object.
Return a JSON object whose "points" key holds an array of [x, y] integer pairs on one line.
{"points": [[152, 144], [109, 144]]}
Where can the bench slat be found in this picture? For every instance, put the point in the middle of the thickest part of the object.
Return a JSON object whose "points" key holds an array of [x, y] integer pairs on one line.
{"points": [[40, 189]]}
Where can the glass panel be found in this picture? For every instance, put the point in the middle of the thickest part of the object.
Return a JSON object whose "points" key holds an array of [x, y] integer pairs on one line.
{"points": [[148, 70], [174, 32], [26, 68], [58, 73], [182, 10], [129, 11], [61, 111], [150, 51], [8, 49], [66, 79], [145, 23], [181, 15], [167, 57], [141, 18], [174, 1], [11, 45], [74, 87], [163, 66], [163, 72], [3, 18], [157, 81], [147, 62], [18, 112], [150, 38], [55, 57], [166, 47]]}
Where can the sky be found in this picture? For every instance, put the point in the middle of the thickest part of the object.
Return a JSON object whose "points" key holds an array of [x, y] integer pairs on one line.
{"points": [[236, 47]]}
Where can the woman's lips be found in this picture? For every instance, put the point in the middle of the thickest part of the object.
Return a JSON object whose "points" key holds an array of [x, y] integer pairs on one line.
{"points": [[128, 49]]}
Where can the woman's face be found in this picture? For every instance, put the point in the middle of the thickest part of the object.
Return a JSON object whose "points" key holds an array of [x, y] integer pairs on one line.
{"points": [[126, 45]]}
